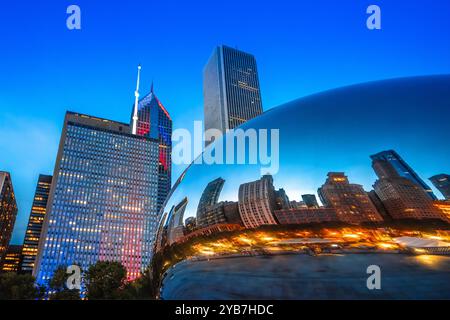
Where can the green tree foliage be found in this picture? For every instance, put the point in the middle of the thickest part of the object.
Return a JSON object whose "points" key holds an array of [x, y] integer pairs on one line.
{"points": [[57, 285], [19, 287], [106, 280]]}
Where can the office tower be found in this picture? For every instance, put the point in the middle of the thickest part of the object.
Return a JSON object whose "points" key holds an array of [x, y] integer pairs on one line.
{"points": [[103, 198], [442, 183], [209, 197], [190, 224], [35, 221], [379, 205], [351, 202], [403, 169], [306, 215], [150, 119], [282, 199], [231, 90], [402, 198], [257, 201], [8, 212], [12, 259], [310, 200]]}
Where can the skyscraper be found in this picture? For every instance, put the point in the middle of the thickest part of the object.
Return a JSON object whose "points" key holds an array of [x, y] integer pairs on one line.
{"points": [[351, 202], [8, 212], [35, 221], [103, 198], [442, 183], [403, 169], [12, 260], [230, 89], [257, 202], [402, 198], [153, 121]]}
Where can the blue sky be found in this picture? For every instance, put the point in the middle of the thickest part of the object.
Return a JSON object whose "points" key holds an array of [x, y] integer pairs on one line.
{"points": [[301, 47]]}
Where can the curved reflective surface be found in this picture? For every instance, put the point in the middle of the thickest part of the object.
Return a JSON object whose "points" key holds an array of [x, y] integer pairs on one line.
{"points": [[310, 195]]}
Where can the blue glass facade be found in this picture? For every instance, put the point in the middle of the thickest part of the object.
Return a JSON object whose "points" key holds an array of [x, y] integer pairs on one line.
{"points": [[103, 199]]}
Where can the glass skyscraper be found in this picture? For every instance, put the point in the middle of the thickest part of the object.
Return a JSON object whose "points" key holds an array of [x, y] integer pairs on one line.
{"points": [[8, 212], [154, 122], [231, 89], [103, 198], [403, 169], [34, 227]]}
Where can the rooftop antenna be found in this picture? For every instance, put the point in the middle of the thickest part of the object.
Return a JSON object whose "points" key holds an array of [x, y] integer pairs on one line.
{"points": [[136, 102]]}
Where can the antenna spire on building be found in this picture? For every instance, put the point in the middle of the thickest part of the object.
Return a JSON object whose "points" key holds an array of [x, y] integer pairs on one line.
{"points": [[136, 102]]}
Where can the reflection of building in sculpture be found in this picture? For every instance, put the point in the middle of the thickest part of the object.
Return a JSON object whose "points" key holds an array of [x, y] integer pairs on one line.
{"points": [[190, 224], [257, 202], [379, 205], [153, 121], [310, 200], [298, 204], [444, 208], [35, 221], [212, 230], [8, 212], [282, 199], [12, 260], [306, 215], [403, 169], [402, 198], [103, 198], [176, 227], [351, 202], [209, 198], [222, 212], [442, 183]]}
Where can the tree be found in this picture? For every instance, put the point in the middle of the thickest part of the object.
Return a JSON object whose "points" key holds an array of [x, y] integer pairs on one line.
{"points": [[106, 280], [57, 285], [15, 286]]}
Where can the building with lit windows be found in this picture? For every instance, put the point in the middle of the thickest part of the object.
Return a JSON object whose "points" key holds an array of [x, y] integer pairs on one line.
{"points": [[35, 221], [351, 202], [8, 212], [12, 259], [306, 215], [402, 198], [403, 169], [442, 183], [231, 89], [103, 203], [444, 208], [154, 121], [209, 198], [257, 202]]}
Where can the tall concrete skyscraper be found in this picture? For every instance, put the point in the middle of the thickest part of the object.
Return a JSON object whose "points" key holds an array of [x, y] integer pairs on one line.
{"points": [[35, 222], [442, 183], [403, 169], [8, 212], [103, 203], [231, 89], [152, 120]]}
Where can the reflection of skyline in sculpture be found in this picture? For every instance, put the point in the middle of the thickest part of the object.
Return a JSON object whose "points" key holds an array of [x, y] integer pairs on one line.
{"points": [[302, 164], [210, 197], [176, 226]]}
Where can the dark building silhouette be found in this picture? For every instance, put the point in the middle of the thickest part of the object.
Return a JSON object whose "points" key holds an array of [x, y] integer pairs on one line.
{"points": [[282, 199], [209, 197], [8, 212], [403, 169], [442, 183], [35, 222]]}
